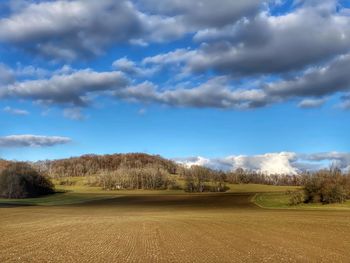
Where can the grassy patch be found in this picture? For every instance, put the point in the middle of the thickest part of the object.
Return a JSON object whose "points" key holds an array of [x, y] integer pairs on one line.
{"points": [[272, 200], [281, 201]]}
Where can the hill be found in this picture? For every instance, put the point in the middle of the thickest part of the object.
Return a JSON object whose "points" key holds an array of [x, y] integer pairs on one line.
{"points": [[93, 164]]}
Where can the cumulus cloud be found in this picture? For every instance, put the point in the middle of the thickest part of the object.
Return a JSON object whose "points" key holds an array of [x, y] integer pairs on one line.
{"points": [[311, 44], [303, 54], [215, 93], [205, 13], [71, 89], [128, 66], [32, 141], [337, 159], [173, 57], [214, 163], [15, 111], [311, 86], [274, 44], [240, 37], [71, 29], [270, 163], [74, 88], [6, 75], [31, 71], [273, 163], [268, 44], [318, 81], [311, 103]]}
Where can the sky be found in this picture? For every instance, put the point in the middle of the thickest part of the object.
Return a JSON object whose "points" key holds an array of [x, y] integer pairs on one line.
{"points": [[261, 85]]}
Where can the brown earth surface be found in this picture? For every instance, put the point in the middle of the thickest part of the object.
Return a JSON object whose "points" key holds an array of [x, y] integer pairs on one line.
{"points": [[172, 228]]}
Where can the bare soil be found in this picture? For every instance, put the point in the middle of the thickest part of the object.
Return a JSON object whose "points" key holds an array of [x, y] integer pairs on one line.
{"points": [[172, 228]]}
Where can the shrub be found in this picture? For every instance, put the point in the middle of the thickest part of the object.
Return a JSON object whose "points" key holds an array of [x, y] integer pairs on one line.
{"points": [[20, 180], [334, 194], [327, 186], [295, 197]]}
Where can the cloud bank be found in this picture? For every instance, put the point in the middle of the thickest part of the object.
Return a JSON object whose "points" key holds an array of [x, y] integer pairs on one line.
{"points": [[70, 29], [288, 163], [238, 54]]}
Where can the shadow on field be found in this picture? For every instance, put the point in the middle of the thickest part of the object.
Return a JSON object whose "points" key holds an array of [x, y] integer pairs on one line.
{"points": [[204, 201], [6, 205]]}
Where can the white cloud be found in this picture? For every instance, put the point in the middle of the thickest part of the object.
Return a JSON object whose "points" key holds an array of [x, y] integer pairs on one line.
{"points": [[191, 161], [73, 114], [69, 30], [338, 159], [31, 71], [204, 13], [270, 44], [128, 66], [72, 88], [173, 57], [270, 163], [239, 44], [7, 75], [311, 103], [215, 93], [316, 81], [15, 111], [32, 141]]}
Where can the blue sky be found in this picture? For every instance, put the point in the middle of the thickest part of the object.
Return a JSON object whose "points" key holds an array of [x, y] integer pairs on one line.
{"points": [[176, 78]]}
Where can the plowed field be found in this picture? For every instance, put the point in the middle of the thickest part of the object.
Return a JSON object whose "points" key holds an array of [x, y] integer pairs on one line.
{"points": [[172, 228]]}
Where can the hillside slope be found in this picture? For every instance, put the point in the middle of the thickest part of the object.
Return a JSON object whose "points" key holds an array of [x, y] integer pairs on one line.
{"points": [[91, 164]]}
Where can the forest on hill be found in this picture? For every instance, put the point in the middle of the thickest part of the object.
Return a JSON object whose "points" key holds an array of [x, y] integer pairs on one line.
{"points": [[144, 171], [92, 164], [153, 172]]}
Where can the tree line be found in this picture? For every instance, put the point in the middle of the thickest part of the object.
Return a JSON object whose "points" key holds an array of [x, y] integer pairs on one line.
{"points": [[242, 176], [152, 172], [101, 165], [149, 177], [201, 179]]}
